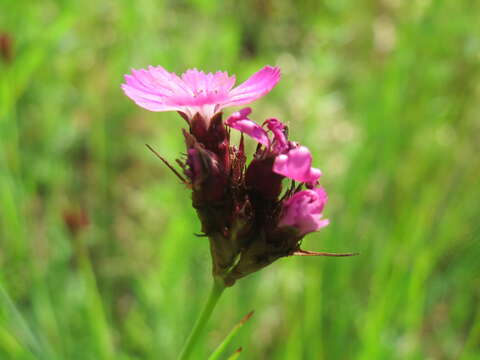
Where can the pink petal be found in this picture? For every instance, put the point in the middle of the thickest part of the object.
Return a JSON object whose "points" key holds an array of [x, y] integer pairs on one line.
{"points": [[321, 193], [241, 122], [297, 165], [153, 88], [156, 89], [198, 81], [159, 90], [280, 143], [259, 84], [304, 211]]}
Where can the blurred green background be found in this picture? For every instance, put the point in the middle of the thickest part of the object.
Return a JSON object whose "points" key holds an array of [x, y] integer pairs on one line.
{"points": [[97, 254]]}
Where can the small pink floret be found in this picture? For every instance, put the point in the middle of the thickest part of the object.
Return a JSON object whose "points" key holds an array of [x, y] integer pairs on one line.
{"points": [[296, 164], [304, 211], [280, 143], [156, 89], [240, 121]]}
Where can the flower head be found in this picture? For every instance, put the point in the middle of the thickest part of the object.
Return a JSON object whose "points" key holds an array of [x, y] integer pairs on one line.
{"points": [[304, 211], [193, 92], [251, 220]]}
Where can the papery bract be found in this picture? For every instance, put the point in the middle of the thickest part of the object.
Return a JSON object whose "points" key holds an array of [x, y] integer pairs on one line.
{"points": [[304, 211], [296, 164], [193, 92]]}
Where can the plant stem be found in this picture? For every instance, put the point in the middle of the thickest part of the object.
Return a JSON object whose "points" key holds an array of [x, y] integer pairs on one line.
{"points": [[217, 290]]}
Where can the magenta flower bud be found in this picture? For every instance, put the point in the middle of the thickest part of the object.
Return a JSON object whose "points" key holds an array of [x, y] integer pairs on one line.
{"points": [[213, 138], [206, 176], [195, 166], [280, 143], [297, 165], [304, 211], [260, 177]]}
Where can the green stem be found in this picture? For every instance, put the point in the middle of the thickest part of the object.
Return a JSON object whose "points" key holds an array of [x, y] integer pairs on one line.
{"points": [[215, 293]]}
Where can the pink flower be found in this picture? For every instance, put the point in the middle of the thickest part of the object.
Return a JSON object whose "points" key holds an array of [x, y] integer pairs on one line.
{"points": [[193, 92], [240, 121], [304, 211], [296, 164], [280, 143], [292, 161]]}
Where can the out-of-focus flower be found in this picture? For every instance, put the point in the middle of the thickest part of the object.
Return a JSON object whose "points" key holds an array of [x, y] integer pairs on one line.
{"points": [[304, 211], [6, 47], [193, 92], [75, 220]]}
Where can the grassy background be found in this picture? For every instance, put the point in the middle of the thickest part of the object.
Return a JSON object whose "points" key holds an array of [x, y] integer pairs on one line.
{"points": [[385, 93]]}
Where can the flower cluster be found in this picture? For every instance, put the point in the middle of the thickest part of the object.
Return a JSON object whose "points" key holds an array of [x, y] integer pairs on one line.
{"points": [[249, 217]]}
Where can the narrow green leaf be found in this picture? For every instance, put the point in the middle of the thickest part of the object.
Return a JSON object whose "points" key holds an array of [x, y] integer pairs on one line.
{"points": [[228, 339], [25, 334], [236, 354]]}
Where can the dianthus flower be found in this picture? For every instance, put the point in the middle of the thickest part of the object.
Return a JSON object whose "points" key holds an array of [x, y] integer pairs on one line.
{"points": [[195, 92], [249, 218]]}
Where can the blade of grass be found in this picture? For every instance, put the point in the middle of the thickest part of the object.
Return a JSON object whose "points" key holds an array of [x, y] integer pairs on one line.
{"points": [[228, 339], [25, 333], [236, 354]]}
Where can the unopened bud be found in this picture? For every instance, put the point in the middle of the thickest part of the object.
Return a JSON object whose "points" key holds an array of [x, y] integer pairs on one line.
{"points": [[261, 178], [304, 211]]}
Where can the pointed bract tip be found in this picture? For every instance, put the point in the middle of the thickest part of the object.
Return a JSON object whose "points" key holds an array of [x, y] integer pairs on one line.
{"points": [[247, 317], [316, 253]]}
